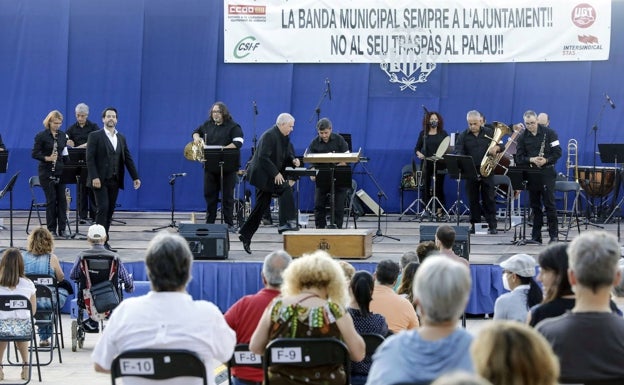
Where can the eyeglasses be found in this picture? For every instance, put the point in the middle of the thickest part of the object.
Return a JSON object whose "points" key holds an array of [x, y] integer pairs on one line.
{"points": [[530, 123], [217, 111]]}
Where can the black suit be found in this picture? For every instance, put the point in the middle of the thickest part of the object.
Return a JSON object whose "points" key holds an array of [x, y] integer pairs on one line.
{"points": [[107, 164], [272, 156]]}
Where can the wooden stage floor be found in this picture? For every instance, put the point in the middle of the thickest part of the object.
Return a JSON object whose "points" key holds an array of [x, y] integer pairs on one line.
{"points": [[131, 238]]}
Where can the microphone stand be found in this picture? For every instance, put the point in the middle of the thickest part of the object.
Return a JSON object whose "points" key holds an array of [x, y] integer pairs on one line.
{"points": [[380, 193], [317, 109], [593, 179], [172, 224]]}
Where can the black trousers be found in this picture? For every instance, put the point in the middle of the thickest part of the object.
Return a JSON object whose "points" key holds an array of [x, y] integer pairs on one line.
{"points": [[86, 207], [106, 200], [287, 211], [56, 203], [481, 198], [546, 195], [212, 189], [322, 200]]}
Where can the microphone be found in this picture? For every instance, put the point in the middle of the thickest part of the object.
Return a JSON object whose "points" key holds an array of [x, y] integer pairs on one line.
{"points": [[255, 106], [178, 174], [608, 100], [425, 109], [328, 87]]}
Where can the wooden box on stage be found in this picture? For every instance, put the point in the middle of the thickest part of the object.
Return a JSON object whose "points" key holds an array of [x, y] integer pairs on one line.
{"points": [[339, 243]]}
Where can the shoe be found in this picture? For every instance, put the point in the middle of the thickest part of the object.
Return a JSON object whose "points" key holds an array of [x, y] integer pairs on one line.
{"points": [[266, 222], [553, 240], [232, 229], [44, 343], [109, 248], [290, 226], [60, 235], [472, 229], [536, 240], [91, 326], [246, 243], [492, 231], [24, 373]]}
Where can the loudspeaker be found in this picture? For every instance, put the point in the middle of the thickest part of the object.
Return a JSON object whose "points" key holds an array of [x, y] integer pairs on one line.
{"points": [[369, 202], [462, 239], [207, 241]]}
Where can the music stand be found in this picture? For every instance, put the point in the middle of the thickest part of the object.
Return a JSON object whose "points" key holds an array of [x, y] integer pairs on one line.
{"points": [[609, 154], [520, 177], [74, 171], [4, 161], [222, 160], [460, 167], [9, 188], [334, 177]]}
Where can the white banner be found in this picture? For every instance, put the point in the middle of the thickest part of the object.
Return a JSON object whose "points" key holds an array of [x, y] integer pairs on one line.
{"points": [[416, 31]]}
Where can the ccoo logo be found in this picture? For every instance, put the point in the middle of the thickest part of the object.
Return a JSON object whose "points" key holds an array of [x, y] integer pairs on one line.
{"points": [[245, 47], [583, 15]]}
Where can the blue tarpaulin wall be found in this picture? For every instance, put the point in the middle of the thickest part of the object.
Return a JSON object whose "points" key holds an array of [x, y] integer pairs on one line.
{"points": [[160, 62]]}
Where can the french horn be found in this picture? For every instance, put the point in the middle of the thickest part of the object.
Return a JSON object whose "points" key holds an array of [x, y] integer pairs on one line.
{"points": [[195, 150]]}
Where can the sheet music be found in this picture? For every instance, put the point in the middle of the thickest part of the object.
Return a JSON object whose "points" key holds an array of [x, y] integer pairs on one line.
{"points": [[332, 157]]}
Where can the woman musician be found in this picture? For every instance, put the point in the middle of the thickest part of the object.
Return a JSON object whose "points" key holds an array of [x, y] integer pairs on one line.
{"points": [[429, 140]]}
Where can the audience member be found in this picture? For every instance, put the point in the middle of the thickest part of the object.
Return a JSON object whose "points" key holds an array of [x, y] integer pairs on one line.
{"points": [[589, 340], [167, 317], [13, 281], [361, 290], [444, 241], [96, 236], [618, 290], [407, 278], [425, 249], [407, 257], [244, 315], [524, 293], [461, 378], [347, 269], [441, 290], [398, 311], [313, 294], [511, 353], [39, 259]]}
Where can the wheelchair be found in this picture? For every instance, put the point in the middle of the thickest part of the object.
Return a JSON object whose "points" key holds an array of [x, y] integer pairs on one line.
{"points": [[99, 292]]}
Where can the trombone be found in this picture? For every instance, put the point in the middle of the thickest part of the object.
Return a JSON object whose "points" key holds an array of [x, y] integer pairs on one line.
{"points": [[572, 156]]}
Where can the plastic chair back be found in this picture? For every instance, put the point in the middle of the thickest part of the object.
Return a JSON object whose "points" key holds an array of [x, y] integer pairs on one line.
{"points": [[158, 364]]}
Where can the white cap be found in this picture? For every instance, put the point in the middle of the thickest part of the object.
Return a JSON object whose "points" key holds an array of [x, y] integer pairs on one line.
{"points": [[96, 232], [521, 264]]}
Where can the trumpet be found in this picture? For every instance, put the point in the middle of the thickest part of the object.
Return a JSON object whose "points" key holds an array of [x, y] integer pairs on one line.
{"points": [[572, 156]]}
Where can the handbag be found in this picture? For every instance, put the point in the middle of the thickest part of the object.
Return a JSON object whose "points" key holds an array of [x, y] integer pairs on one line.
{"points": [[105, 296]]}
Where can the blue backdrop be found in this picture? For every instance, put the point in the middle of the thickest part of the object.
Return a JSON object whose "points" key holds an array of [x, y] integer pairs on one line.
{"points": [[161, 64]]}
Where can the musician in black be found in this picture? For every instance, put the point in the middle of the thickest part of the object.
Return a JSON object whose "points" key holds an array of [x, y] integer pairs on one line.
{"points": [[265, 170], [220, 130], [429, 140], [49, 149], [538, 146], [78, 134], [474, 142], [327, 142]]}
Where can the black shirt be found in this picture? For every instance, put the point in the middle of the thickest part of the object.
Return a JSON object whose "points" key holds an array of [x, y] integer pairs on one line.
{"points": [[474, 146], [336, 143], [80, 134], [529, 146]]}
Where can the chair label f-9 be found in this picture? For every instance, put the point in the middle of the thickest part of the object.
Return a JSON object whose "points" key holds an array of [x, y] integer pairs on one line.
{"points": [[283, 355]]}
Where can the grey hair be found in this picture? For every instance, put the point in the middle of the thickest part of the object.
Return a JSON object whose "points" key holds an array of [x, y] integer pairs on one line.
{"points": [[284, 117], [441, 287], [529, 114], [473, 114], [82, 108], [274, 265], [168, 260], [618, 290], [409, 256], [593, 257]]}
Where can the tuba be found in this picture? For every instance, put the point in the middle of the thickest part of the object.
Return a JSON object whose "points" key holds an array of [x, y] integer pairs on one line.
{"points": [[489, 162], [195, 151]]}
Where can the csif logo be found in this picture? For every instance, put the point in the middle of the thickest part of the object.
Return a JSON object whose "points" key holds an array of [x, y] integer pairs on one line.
{"points": [[245, 47], [583, 15]]}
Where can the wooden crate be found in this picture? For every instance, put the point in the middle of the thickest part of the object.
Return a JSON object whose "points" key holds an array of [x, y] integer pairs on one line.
{"points": [[339, 243]]}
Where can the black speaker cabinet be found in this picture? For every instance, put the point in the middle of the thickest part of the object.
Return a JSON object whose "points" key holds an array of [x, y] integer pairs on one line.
{"points": [[207, 241], [462, 238]]}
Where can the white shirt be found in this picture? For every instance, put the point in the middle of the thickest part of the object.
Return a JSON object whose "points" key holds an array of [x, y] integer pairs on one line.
{"points": [[25, 288], [112, 136], [167, 320]]}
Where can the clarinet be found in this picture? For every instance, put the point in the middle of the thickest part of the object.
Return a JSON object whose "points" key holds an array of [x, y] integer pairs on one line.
{"points": [[54, 152], [541, 151]]}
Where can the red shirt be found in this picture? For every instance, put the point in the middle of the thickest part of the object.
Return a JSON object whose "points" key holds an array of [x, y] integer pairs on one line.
{"points": [[243, 317]]}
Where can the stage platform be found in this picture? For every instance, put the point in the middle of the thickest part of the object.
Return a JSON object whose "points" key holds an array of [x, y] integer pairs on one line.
{"points": [[224, 281]]}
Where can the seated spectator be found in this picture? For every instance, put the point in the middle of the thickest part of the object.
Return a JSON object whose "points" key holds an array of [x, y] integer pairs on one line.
{"points": [[589, 340], [425, 249], [441, 290], [524, 293], [444, 241], [348, 270], [461, 378], [361, 290], [39, 259], [398, 311], [618, 290], [313, 294], [96, 236], [407, 278], [407, 257], [511, 353], [13, 281], [244, 315], [167, 317]]}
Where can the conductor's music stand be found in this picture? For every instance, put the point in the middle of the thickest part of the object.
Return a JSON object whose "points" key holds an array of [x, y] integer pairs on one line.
{"points": [[519, 177], [74, 171], [613, 153], [9, 189], [4, 161], [460, 167], [334, 177], [222, 160]]}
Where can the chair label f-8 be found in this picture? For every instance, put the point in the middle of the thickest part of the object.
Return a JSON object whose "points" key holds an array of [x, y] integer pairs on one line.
{"points": [[246, 357]]}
